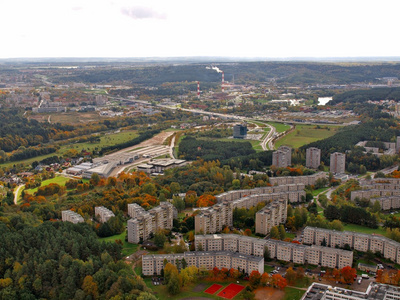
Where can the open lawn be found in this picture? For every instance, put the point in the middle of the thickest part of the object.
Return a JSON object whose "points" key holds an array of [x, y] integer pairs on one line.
{"points": [[293, 294], [105, 140], [305, 134], [319, 191], [127, 248], [60, 180], [280, 127], [363, 229]]}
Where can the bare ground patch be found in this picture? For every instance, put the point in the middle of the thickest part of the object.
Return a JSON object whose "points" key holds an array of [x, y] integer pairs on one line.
{"points": [[268, 293]]}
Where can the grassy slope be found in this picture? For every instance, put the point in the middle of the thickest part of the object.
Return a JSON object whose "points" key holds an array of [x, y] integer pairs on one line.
{"points": [[60, 180], [127, 248], [305, 134]]}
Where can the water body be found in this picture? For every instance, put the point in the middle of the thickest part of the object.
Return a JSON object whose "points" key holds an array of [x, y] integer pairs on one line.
{"points": [[324, 100]]}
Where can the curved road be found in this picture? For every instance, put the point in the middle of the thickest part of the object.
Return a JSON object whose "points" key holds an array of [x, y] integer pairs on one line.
{"points": [[267, 142], [16, 193]]}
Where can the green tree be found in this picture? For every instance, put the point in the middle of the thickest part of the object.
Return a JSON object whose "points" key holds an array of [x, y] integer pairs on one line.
{"points": [[146, 296], [174, 284], [282, 232], [160, 239], [274, 234]]}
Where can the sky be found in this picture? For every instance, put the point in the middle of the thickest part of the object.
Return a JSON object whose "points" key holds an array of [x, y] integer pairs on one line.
{"points": [[176, 28]]}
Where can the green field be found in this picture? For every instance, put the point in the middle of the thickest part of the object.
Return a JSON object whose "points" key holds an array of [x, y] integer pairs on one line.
{"points": [[293, 293], [305, 134], [60, 180], [363, 229], [280, 127], [127, 248]]}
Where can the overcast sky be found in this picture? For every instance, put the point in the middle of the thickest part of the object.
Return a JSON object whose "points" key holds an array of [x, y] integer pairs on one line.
{"points": [[169, 28]]}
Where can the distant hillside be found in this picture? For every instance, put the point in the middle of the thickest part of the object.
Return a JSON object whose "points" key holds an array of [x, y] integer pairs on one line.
{"points": [[375, 94]]}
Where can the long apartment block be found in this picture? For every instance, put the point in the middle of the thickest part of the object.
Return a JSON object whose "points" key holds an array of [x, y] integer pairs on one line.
{"points": [[390, 249], [278, 188], [153, 264], [103, 214], [144, 223], [306, 180], [71, 216], [215, 218], [280, 250]]}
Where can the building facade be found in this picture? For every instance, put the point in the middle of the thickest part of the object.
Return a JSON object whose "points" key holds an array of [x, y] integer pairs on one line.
{"points": [[338, 163], [282, 157], [103, 214], [71, 216], [271, 215], [313, 158], [153, 264], [280, 250], [144, 223], [389, 249]]}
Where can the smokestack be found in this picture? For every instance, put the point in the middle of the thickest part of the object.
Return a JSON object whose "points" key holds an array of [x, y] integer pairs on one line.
{"points": [[198, 89], [223, 80]]}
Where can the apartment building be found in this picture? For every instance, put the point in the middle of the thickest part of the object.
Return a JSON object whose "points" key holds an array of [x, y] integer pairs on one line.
{"points": [[214, 219], [282, 157], [306, 180], [279, 185], [144, 223], [375, 291], [135, 210], [280, 250], [337, 163], [103, 214], [390, 249], [140, 228], [154, 263], [71, 216], [313, 158], [271, 215]]}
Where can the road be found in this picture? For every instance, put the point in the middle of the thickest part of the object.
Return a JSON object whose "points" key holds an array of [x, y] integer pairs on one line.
{"points": [[16, 193], [267, 142]]}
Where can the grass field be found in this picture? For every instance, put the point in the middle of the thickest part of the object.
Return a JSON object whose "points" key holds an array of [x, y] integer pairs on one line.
{"points": [[60, 180], [280, 127], [305, 134], [363, 229], [127, 248], [319, 191], [293, 293]]}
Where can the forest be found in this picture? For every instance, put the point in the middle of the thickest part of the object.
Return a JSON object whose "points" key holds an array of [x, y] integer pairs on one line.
{"points": [[190, 148], [243, 72], [60, 260], [360, 96]]}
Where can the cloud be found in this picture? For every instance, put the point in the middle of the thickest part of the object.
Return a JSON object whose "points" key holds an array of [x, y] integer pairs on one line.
{"points": [[141, 12], [76, 8]]}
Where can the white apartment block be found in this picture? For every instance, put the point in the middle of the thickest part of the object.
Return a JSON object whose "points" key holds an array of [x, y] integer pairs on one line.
{"points": [[103, 214], [153, 264], [375, 291], [282, 157], [337, 163], [306, 180], [279, 185], [271, 215], [313, 158], [71, 216], [390, 249], [144, 223], [285, 251]]}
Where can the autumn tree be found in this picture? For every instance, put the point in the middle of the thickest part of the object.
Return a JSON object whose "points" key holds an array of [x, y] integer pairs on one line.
{"points": [[290, 275], [255, 278], [274, 233], [278, 281], [348, 274]]}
